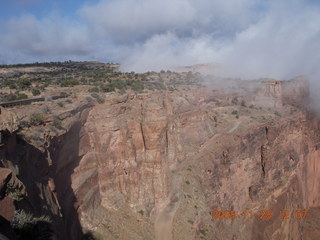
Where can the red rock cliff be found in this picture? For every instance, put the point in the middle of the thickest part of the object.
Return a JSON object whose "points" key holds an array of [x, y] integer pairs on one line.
{"points": [[152, 166]]}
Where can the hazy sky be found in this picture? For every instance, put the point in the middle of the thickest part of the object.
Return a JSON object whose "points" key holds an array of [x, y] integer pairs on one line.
{"points": [[251, 38]]}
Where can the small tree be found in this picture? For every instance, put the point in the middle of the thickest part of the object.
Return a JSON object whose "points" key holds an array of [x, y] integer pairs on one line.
{"points": [[27, 226], [36, 92]]}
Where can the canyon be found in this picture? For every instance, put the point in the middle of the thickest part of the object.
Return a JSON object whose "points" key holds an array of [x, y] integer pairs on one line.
{"points": [[155, 165]]}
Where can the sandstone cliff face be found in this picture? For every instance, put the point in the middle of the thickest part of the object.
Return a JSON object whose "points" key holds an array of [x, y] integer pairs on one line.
{"points": [[270, 165], [165, 160], [152, 166]]}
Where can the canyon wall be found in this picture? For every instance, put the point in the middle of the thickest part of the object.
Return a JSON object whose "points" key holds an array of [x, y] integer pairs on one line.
{"points": [[155, 165], [41, 182]]}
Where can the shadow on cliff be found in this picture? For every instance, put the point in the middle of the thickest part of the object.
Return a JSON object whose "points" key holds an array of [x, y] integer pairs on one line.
{"points": [[64, 153], [30, 167], [34, 170]]}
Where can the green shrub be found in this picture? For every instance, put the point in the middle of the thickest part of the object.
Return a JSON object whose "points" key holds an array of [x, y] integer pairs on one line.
{"points": [[36, 119], [234, 100], [60, 104], [12, 85], [120, 84], [24, 84], [203, 231], [21, 96], [14, 193], [36, 92], [93, 89], [100, 100], [95, 95], [234, 112], [190, 221], [137, 86], [63, 94], [68, 82], [57, 123], [107, 88]]}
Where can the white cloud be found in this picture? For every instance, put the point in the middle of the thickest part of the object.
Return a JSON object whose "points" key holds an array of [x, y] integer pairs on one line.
{"points": [[131, 20], [253, 38], [51, 37], [281, 44]]}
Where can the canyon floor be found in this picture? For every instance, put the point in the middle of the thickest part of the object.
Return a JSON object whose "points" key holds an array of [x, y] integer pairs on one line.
{"points": [[163, 156]]}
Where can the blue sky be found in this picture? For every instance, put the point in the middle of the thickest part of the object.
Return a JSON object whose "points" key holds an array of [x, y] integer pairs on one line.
{"points": [[251, 38], [40, 8]]}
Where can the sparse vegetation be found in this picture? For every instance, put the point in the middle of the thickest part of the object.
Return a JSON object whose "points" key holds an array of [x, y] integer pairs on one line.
{"points": [[27, 226], [98, 78], [191, 221], [35, 136], [13, 96], [203, 231], [46, 109], [60, 104], [234, 100], [57, 123], [24, 84], [93, 89], [277, 113], [68, 82], [36, 92], [14, 193], [234, 112], [141, 212], [36, 119], [63, 94], [137, 86], [100, 100]]}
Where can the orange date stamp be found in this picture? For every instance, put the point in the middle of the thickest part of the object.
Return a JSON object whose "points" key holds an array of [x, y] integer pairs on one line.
{"points": [[258, 214]]}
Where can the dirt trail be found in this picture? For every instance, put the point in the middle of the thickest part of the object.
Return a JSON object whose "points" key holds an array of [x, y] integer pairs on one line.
{"points": [[164, 219], [235, 126], [163, 223]]}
